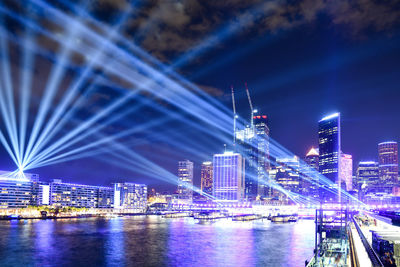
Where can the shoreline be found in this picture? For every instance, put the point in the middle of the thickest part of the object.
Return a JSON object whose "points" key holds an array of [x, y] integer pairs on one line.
{"points": [[83, 216]]}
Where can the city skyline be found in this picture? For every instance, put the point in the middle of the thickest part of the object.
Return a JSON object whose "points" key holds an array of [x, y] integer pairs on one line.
{"points": [[337, 65], [199, 133], [197, 168]]}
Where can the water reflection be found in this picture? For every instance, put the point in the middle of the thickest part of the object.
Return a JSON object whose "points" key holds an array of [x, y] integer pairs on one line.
{"points": [[114, 245], [154, 241]]}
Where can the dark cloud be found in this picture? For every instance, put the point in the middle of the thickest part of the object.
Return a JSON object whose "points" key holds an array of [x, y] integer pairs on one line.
{"points": [[211, 90], [168, 28]]}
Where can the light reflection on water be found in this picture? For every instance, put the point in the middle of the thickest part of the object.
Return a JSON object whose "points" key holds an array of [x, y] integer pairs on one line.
{"points": [[154, 241]]}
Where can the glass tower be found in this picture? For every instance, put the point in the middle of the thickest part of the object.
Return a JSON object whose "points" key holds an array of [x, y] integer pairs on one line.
{"points": [[329, 156], [185, 174], [261, 154], [207, 177], [388, 162], [253, 144], [310, 183], [367, 177]]}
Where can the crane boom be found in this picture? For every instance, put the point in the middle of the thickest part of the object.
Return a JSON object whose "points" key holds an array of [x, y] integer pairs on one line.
{"points": [[251, 104], [234, 115]]}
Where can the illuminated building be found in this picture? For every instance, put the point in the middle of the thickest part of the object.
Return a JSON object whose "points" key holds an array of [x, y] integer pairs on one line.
{"points": [[312, 158], [185, 175], [329, 155], [74, 195], [346, 171], [40, 193], [367, 175], [228, 177], [287, 174], [105, 197], [388, 162], [130, 196], [20, 193], [253, 144], [310, 183], [17, 193], [261, 153], [207, 177]]}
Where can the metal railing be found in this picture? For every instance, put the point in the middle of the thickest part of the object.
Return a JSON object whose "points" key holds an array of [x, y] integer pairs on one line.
{"points": [[353, 252], [376, 261]]}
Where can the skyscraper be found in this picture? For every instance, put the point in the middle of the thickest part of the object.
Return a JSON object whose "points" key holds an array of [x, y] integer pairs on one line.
{"points": [[388, 162], [253, 144], [185, 174], [329, 155], [261, 154], [207, 177], [312, 158], [367, 176], [346, 171], [245, 146], [311, 180], [228, 177], [287, 174]]}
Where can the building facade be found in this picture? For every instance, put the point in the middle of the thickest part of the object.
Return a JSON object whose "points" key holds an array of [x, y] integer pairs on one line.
{"points": [[29, 191], [185, 175], [228, 177], [287, 174], [75, 195], [253, 145], [388, 162], [367, 175], [310, 181], [15, 194], [207, 177], [346, 171], [17, 191], [329, 156], [130, 197], [262, 154]]}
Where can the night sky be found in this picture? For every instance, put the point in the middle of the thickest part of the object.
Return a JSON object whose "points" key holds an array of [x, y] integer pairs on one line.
{"points": [[302, 60]]}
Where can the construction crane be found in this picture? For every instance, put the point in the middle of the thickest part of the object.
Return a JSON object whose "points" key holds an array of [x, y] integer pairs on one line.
{"points": [[251, 106], [234, 116]]}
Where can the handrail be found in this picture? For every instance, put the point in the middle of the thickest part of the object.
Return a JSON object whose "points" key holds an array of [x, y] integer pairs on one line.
{"points": [[375, 260], [353, 252]]}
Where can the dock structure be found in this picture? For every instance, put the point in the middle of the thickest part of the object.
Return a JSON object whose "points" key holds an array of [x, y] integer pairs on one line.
{"points": [[357, 239]]}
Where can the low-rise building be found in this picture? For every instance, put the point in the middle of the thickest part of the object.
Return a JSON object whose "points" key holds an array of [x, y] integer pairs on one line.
{"points": [[130, 197]]}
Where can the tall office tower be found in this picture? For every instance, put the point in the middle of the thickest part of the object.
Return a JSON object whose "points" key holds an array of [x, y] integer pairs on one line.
{"points": [[261, 153], [228, 177], [245, 143], [309, 183], [287, 174], [253, 144], [388, 163], [346, 171], [185, 174], [367, 175], [329, 156], [312, 158], [207, 177]]}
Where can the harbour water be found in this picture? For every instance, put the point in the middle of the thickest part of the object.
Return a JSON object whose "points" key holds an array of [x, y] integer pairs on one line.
{"points": [[154, 241]]}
